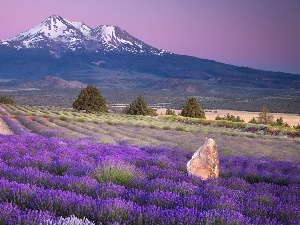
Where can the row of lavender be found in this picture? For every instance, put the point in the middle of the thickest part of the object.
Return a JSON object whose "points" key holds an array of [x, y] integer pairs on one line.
{"points": [[59, 181], [282, 150]]}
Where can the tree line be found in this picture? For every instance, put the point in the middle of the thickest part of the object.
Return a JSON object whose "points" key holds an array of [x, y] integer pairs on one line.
{"points": [[91, 100]]}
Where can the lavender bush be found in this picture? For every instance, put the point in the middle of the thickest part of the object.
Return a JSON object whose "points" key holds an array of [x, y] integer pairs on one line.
{"points": [[64, 181], [38, 127]]}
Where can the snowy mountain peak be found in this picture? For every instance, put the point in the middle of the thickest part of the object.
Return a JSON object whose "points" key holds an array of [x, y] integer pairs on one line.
{"points": [[58, 36], [85, 30], [105, 33]]}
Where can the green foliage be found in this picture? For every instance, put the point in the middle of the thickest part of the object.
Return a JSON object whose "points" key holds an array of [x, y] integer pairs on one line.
{"points": [[253, 120], [95, 121], [90, 100], [80, 120], [111, 123], [179, 128], [265, 117], [6, 100], [170, 112], [230, 118], [192, 109], [63, 118], [153, 127], [279, 122], [218, 118], [139, 107], [117, 172]]}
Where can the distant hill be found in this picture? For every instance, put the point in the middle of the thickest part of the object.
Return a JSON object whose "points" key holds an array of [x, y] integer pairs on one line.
{"points": [[53, 82]]}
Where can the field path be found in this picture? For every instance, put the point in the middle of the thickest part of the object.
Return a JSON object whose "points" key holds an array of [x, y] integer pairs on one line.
{"points": [[4, 129]]}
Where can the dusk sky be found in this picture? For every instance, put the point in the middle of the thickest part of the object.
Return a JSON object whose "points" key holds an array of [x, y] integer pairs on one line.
{"points": [[263, 34]]}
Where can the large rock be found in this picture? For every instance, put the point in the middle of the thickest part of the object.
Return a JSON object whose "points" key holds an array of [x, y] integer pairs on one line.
{"points": [[205, 161]]}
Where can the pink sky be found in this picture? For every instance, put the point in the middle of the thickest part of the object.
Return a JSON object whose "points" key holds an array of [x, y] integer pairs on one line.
{"points": [[263, 34]]}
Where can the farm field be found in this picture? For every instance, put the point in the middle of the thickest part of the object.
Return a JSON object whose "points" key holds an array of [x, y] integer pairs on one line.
{"points": [[67, 167], [146, 131], [291, 119]]}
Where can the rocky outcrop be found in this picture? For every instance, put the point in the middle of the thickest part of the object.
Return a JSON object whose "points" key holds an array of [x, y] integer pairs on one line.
{"points": [[205, 161]]}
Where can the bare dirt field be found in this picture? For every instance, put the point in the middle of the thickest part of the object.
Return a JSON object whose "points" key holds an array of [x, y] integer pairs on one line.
{"points": [[4, 129], [291, 119]]}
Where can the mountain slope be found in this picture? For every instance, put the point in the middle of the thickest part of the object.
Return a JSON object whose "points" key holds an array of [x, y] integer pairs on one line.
{"points": [[111, 58], [53, 82]]}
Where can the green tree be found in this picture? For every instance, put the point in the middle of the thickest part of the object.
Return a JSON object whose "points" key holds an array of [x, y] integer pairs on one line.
{"points": [[139, 107], [193, 109], [6, 100], [265, 117], [90, 100]]}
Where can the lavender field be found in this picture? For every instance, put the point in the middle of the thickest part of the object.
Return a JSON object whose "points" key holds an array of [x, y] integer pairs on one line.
{"points": [[63, 167]]}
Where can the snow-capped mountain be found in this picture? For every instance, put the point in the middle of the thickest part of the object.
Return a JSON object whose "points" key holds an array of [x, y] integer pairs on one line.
{"points": [[58, 36]]}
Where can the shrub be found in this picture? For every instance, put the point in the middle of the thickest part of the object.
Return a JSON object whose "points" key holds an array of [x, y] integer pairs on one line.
{"points": [[180, 129], [111, 123], [279, 122], [230, 118], [152, 127], [63, 118], [95, 121], [6, 100], [170, 112], [264, 117], [253, 120], [117, 172], [80, 120], [297, 127]]}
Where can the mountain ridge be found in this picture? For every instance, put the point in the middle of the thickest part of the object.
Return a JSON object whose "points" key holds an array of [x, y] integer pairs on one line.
{"points": [[60, 36]]}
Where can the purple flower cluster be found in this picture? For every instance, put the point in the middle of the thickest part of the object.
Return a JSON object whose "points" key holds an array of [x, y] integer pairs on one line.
{"points": [[38, 127], [260, 170], [52, 181]]}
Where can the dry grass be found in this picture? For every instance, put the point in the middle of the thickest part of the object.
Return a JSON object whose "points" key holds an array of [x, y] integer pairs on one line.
{"points": [[291, 119]]}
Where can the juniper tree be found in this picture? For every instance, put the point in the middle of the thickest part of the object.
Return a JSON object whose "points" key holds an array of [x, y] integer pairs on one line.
{"points": [[90, 100], [193, 109], [139, 107]]}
